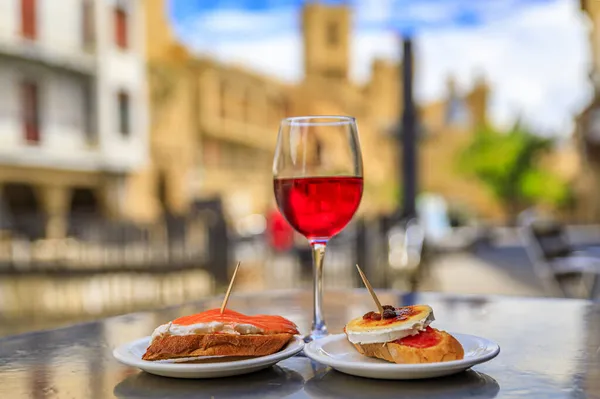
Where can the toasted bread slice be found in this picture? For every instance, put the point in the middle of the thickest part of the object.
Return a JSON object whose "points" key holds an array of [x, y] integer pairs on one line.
{"points": [[446, 349], [181, 346]]}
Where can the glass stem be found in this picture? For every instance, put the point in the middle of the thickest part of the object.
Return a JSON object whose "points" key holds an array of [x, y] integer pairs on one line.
{"points": [[319, 329]]}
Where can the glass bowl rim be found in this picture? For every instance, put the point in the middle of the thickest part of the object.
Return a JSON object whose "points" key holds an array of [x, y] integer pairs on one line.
{"points": [[319, 120]]}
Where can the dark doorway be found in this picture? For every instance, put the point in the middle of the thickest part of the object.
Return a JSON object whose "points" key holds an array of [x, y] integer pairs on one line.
{"points": [[23, 213], [84, 201], [84, 212], [212, 213]]}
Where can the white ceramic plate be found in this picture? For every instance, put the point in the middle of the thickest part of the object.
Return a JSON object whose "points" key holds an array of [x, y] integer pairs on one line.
{"points": [[131, 355], [335, 351]]}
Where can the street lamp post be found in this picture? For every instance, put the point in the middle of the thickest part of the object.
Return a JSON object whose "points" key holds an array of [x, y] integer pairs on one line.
{"points": [[408, 136]]}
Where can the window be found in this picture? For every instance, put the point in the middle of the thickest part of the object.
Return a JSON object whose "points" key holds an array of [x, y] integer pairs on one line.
{"points": [[29, 19], [332, 34], [245, 105], [286, 108], [124, 123], [333, 73], [223, 100], [87, 23], [30, 112], [279, 108], [88, 113], [121, 31]]}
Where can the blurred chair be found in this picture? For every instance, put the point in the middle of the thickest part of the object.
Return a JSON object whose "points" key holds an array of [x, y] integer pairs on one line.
{"points": [[556, 262], [405, 251], [438, 232]]}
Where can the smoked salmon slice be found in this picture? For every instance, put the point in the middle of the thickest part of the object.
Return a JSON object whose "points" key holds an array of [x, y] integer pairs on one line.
{"points": [[270, 324]]}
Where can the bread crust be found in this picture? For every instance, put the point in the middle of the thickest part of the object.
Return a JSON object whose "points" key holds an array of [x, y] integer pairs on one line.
{"points": [[447, 349], [181, 346]]}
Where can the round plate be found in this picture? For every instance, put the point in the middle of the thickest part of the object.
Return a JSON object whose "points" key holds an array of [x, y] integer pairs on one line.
{"points": [[337, 352], [131, 355]]}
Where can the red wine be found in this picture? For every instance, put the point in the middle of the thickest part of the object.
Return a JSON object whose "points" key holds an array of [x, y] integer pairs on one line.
{"points": [[318, 207]]}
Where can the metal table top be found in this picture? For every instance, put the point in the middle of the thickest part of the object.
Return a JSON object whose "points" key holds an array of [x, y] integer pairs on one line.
{"points": [[550, 349]]}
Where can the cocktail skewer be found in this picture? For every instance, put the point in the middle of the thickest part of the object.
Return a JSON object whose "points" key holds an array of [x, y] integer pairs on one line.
{"points": [[371, 291], [224, 304]]}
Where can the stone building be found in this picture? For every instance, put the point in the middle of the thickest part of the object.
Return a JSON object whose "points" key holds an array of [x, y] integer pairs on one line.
{"points": [[214, 126], [79, 140]]}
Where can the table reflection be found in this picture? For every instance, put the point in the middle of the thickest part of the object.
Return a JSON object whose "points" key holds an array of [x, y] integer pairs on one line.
{"points": [[469, 384], [274, 382]]}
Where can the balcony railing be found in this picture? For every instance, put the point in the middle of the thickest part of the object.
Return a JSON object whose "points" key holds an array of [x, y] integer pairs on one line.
{"points": [[74, 59], [95, 245]]}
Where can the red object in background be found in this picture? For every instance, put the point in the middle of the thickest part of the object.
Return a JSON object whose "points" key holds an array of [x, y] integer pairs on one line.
{"points": [[30, 112], [319, 207], [280, 233], [29, 19]]}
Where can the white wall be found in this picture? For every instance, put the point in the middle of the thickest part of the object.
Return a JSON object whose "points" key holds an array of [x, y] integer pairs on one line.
{"points": [[63, 136], [59, 27], [9, 123], [120, 69], [9, 19], [64, 115]]}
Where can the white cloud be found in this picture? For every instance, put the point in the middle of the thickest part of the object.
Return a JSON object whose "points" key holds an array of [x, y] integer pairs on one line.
{"points": [[267, 42], [535, 60], [435, 13], [369, 45], [279, 56], [233, 24]]}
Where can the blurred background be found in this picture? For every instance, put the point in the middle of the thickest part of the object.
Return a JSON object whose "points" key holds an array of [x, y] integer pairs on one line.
{"points": [[137, 138]]}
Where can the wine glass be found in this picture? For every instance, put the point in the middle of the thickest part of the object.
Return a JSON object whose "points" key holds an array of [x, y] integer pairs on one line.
{"points": [[318, 183]]}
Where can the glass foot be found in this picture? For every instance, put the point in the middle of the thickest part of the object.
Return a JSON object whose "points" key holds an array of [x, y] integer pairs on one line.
{"points": [[315, 334]]}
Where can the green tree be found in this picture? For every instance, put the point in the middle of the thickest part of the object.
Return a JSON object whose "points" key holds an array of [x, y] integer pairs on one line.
{"points": [[508, 164]]}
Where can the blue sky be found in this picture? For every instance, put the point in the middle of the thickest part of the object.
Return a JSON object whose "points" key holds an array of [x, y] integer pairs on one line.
{"points": [[533, 52]]}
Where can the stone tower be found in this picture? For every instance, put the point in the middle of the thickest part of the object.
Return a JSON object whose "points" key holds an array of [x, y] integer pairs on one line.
{"points": [[326, 34], [478, 101], [159, 36]]}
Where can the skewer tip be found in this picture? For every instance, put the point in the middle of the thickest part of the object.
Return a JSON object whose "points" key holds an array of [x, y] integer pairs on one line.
{"points": [[370, 289], [228, 293]]}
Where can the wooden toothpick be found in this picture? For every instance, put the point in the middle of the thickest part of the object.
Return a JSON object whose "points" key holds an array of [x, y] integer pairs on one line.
{"points": [[224, 304], [368, 285]]}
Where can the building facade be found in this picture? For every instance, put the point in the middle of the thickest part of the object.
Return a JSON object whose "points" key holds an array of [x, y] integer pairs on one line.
{"points": [[111, 117], [214, 126], [73, 114]]}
